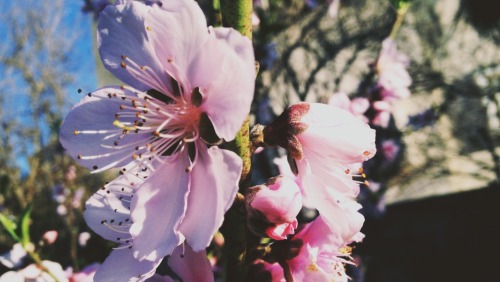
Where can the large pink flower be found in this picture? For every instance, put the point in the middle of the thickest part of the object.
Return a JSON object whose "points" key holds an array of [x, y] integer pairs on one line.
{"points": [[186, 85]]}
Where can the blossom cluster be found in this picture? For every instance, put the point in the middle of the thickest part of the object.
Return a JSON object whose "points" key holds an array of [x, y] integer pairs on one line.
{"points": [[326, 146], [187, 91]]}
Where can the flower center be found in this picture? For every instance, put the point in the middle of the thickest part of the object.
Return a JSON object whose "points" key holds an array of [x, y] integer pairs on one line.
{"points": [[148, 126]]}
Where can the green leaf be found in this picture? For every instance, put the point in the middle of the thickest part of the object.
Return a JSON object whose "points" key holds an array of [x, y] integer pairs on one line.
{"points": [[10, 226], [398, 4], [25, 225]]}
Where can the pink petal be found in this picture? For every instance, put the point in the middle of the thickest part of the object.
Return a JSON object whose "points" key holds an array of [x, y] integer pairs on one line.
{"points": [[280, 231], [341, 100], [359, 105], [177, 31], [158, 207], [122, 38], [339, 213], [337, 135], [107, 212], [89, 135], [279, 202], [225, 73], [214, 184], [121, 265], [315, 172], [191, 266]]}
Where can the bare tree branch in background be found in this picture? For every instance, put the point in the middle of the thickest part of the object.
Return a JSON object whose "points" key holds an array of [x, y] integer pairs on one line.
{"points": [[36, 67]]}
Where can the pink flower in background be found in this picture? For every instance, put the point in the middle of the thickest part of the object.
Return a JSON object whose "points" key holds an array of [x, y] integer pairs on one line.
{"points": [[390, 149], [383, 111], [50, 236], [83, 238], [186, 84], [278, 201], [391, 66], [357, 106]]}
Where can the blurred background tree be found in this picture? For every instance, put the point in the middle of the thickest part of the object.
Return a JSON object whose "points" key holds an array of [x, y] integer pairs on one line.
{"points": [[37, 66]]}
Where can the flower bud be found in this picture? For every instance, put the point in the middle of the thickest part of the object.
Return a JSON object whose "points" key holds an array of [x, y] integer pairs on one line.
{"points": [[273, 207], [50, 237]]}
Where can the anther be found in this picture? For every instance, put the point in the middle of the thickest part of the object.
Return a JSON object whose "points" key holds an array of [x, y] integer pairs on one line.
{"points": [[148, 28], [123, 64], [79, 90], [366, 153], [76, 132], [124, 57]]}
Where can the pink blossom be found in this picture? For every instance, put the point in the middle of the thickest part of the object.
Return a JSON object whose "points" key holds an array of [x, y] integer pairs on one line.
{"points": [[357, 106], [382, 119], [390, 149], [391, 66], [50, 236], [327, 146], [62, 210], [383, 113], [278, 201], [83, 238], [323, 253], [187, 85]]}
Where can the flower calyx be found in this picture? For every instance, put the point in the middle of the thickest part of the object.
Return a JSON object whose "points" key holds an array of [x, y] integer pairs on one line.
{"points": [[284, 129]]}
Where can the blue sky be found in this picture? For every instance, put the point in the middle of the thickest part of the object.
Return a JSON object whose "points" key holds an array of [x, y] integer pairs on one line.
{"points": [[85, 76], [81, 61]]}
